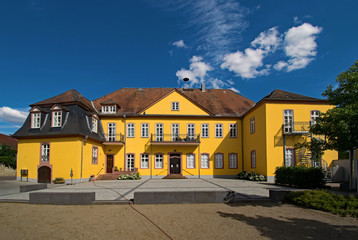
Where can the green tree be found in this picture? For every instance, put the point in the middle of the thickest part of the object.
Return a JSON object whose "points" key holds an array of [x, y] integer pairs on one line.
{"points": [[340, 124], [7, 156]]}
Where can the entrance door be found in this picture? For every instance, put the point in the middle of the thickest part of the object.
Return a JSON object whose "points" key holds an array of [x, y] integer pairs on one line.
{"points": [[175, 163], [44, 175], [109, 164]]}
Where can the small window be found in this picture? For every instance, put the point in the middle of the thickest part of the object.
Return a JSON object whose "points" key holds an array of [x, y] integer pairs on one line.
{"points": [[144, 161], [218, 130], [204, 130], [232, 160], [252, 125], [204, 160], [130, 162], [158, 160], [109, 109], [35, 120], [45, 152], [175, 106], [130, 130], [94, 155], [144, 130], [253, 159], [94, 124], [314, 115], [190, 161], [219, 160], [233, 130], [56, 119]]}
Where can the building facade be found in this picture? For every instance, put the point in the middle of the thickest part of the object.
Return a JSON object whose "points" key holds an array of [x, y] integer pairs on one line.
{"points": [[165, 132]]}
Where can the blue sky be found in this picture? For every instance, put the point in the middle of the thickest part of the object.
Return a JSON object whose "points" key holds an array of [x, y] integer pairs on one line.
{"points": [[96, 47]]}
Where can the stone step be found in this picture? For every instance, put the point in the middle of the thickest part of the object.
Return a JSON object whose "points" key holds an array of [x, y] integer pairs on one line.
{"points": [[174, 176]]}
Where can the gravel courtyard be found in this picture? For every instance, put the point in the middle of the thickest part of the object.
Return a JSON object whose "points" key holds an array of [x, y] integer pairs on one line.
{"points": [[205, 221]]}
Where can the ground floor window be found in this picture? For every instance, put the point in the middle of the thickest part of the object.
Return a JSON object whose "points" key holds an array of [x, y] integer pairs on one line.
{"points": [[289, 158], [144, 161], [253, 159], [204, 160], [219, 160], [94, 155], [232, 160], [190, 161], [158, 160], [130, 162]]}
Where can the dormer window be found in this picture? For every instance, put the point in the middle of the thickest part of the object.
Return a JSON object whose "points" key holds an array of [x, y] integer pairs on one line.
{"points": [[94, 124], [109, 109], [35, 120], [56, 118]]}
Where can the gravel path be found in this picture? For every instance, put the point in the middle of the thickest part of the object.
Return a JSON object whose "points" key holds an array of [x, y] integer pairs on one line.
{"points": [[204, 221]]}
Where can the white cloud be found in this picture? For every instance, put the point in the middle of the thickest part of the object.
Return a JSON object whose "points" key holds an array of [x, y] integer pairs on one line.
{"points": [[12, 115], [216, 83], [300, 46], [179, 44], [249, 64], [196, 73]]}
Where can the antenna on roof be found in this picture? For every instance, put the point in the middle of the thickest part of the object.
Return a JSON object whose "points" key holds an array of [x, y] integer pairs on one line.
{"points": [[185, 83]]}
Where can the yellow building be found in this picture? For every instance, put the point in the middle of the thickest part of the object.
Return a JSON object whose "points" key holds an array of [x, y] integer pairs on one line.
{"points": [[164, 132]]}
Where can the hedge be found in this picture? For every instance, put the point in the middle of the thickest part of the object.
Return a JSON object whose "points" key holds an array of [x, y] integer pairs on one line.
{"points": [[300, 176]]}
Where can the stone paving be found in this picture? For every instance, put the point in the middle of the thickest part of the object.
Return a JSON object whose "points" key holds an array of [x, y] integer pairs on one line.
{"points": [[108, 190]]}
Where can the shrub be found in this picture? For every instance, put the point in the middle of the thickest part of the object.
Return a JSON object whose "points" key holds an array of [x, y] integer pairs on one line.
{"points": [[300, 176], [131, 176], [58, 180], [325, 201], [252, 176]]}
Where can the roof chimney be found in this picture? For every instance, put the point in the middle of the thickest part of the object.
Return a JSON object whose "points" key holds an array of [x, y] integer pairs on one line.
{"points": [[203, 87]]}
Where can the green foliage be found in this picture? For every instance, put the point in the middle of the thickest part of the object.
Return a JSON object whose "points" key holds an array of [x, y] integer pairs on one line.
{"points": [[7, 156], [300, 176], [325, 201], [58, 180], [131, 176], [252, 176], [316, 146]]}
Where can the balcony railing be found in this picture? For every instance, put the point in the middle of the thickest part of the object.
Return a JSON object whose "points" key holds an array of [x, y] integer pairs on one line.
{"points": [[114, 139], [295, 128], [175, 139]]}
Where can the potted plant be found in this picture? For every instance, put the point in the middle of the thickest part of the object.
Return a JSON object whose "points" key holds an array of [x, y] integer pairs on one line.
{"points": [[58, 180]]}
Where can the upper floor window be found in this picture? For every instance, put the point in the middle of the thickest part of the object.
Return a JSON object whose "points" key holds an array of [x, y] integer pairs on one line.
{"points": [[56, 118], [204, 130], [191, 130], [94, 155], [175, 132], [109, 109], [175, 106], [288, 121], [130, 130], [35, 120], [45, 152], [111, 132], [94, 124], [233, 130], [314, 115], [159, 132], [144, 130], [218, 130], [252, 125]]}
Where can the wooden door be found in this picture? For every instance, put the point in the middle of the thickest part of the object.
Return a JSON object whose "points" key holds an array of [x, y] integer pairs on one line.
{"points": [[44, 175], [175, 164], [109, 168]]}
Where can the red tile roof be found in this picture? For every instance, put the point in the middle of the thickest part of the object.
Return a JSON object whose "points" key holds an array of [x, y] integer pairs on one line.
{"points": [[7, 140]]}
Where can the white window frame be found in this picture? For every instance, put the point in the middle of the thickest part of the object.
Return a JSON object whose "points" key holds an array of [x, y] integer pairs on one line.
{"points": [[94, 154], [204, 130], [253, 159], [233, 130], [144, 130], [288, 121], [94, 124], [252, 125], [314, 115], [45, 152], [290, 157], [219, 130], [109, 109], [35, 120], [205, 162], [111, 128], [175, 132], [191, 131], [56, 118], [175, 106], [144, 160], [130, 130], [158, 160], [219, 160], [232, 160], [190, 161], [159, 136], [130, 162]]}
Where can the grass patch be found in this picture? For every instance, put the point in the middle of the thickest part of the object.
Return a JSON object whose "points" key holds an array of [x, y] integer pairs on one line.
{"points": [[325, 201]]}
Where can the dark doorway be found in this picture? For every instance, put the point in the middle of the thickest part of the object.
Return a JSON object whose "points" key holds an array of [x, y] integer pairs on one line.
{"points": [[44, 175], [109, 164], [175, 163]]}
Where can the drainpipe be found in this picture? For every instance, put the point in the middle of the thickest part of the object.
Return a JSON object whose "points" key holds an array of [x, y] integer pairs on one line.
{"points": [[199, 159], [85, 139], [125, 142], [242, 144], [151, 158]]}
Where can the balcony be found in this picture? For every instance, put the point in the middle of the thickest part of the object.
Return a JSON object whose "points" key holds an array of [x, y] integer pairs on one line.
{"points": [[178, 139], [295, 128], [117, 139]]}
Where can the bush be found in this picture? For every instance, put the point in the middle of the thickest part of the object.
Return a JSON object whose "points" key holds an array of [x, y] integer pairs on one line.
{"points": [[325, 201], [252, 176], [300, 176], [58, 180], [131, 176]]}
